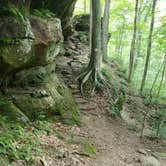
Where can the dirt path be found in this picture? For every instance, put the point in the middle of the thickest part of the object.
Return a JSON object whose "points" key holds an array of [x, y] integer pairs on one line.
{"points": [[116, 144]]}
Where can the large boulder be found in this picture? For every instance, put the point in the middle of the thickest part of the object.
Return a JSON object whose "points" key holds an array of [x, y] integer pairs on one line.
{"points": [[63, 9], [39, 92], [82, 22], [149, 161], [28, 43], [28, 81]]}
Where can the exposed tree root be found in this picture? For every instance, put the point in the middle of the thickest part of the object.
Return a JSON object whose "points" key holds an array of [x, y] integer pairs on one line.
{"points": [[95, 78]]}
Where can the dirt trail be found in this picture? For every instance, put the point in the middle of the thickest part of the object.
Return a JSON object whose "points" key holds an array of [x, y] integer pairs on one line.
{"points": [[116, 144]]}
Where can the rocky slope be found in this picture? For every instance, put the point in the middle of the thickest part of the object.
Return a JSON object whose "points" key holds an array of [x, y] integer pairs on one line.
{"points": [[29, 46]]}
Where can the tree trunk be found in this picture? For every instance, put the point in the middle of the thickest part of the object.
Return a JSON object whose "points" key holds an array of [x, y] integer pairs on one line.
{"points": [[105, 30], [162, 77], [93, 71], [139, 33], [120, 39], [17, 3], [155, 80], [84, 6], [158, 73], [132, 50], [90, 28], [96, 34], [149, 46], [138, 49]]}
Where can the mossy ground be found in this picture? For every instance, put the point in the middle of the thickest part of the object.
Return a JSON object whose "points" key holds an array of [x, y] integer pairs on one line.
{"points": [[28, 144]]}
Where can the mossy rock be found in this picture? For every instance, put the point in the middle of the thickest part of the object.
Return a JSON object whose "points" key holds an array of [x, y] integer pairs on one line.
{"points": [[33, 42], [9, 109], [81, 22], [30, 86], [68, 109], [47, 97]]}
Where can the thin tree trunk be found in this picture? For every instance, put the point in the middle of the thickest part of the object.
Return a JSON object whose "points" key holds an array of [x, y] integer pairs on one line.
{"points": [[149, 47], [117, 44], [132, 50], [162, 77], [28, 4], [105, 30], [137, 54], [121, 34], [84, 6], [139, 33], [138, 36], [156, 77]]}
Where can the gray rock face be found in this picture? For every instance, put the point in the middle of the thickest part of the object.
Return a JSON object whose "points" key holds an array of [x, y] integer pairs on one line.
{"points": [[63, 9], [81, 22], [28, 43], [149, 161], [29, 48]]}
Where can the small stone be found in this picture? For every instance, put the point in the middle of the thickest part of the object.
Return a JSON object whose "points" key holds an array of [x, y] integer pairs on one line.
{"points": [[142, 151], [149, 161]]}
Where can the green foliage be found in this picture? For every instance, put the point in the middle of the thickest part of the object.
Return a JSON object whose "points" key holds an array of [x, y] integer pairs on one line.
{"points": [[18, 142], [42, 127], [89, 148], [117, 106], [133, 128], [158, 123], [43, 13], [116, 78]]}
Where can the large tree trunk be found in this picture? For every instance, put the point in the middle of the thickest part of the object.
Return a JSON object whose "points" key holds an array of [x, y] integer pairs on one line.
{"points": [[5, 4], [96, 34], [105, 30], [93, 71], [133, 43], [90, 28], [149, 46]]}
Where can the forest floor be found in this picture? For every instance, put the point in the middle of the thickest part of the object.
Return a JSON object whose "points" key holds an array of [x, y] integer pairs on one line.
{"points": [[116, 143], [100, 140]]}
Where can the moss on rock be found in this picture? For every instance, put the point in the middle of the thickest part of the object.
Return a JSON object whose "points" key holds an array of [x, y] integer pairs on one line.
{"points": [[81, 22], [38, 91], [28, 80], [9, 109]]}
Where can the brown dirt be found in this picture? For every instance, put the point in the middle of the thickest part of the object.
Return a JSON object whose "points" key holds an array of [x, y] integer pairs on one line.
{"points": [[116, 143]]}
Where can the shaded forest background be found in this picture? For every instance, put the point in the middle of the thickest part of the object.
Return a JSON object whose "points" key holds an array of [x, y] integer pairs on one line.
{"points": [[121, 25]]}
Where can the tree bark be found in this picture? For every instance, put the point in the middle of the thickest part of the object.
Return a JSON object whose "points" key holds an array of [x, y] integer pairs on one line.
{"points": [[120, 39], [93, 71], [149, 46], [155, 80], [162, 77], [133, 43], [139, 31], [90, 28], [84, 6], [105, 30]]}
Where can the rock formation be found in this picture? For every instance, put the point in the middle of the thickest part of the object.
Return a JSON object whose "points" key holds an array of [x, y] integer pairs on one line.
{"points": [[29, 84]]}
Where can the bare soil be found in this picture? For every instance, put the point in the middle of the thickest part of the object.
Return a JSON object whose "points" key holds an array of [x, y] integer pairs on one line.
{"points": [[116, 143]]}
